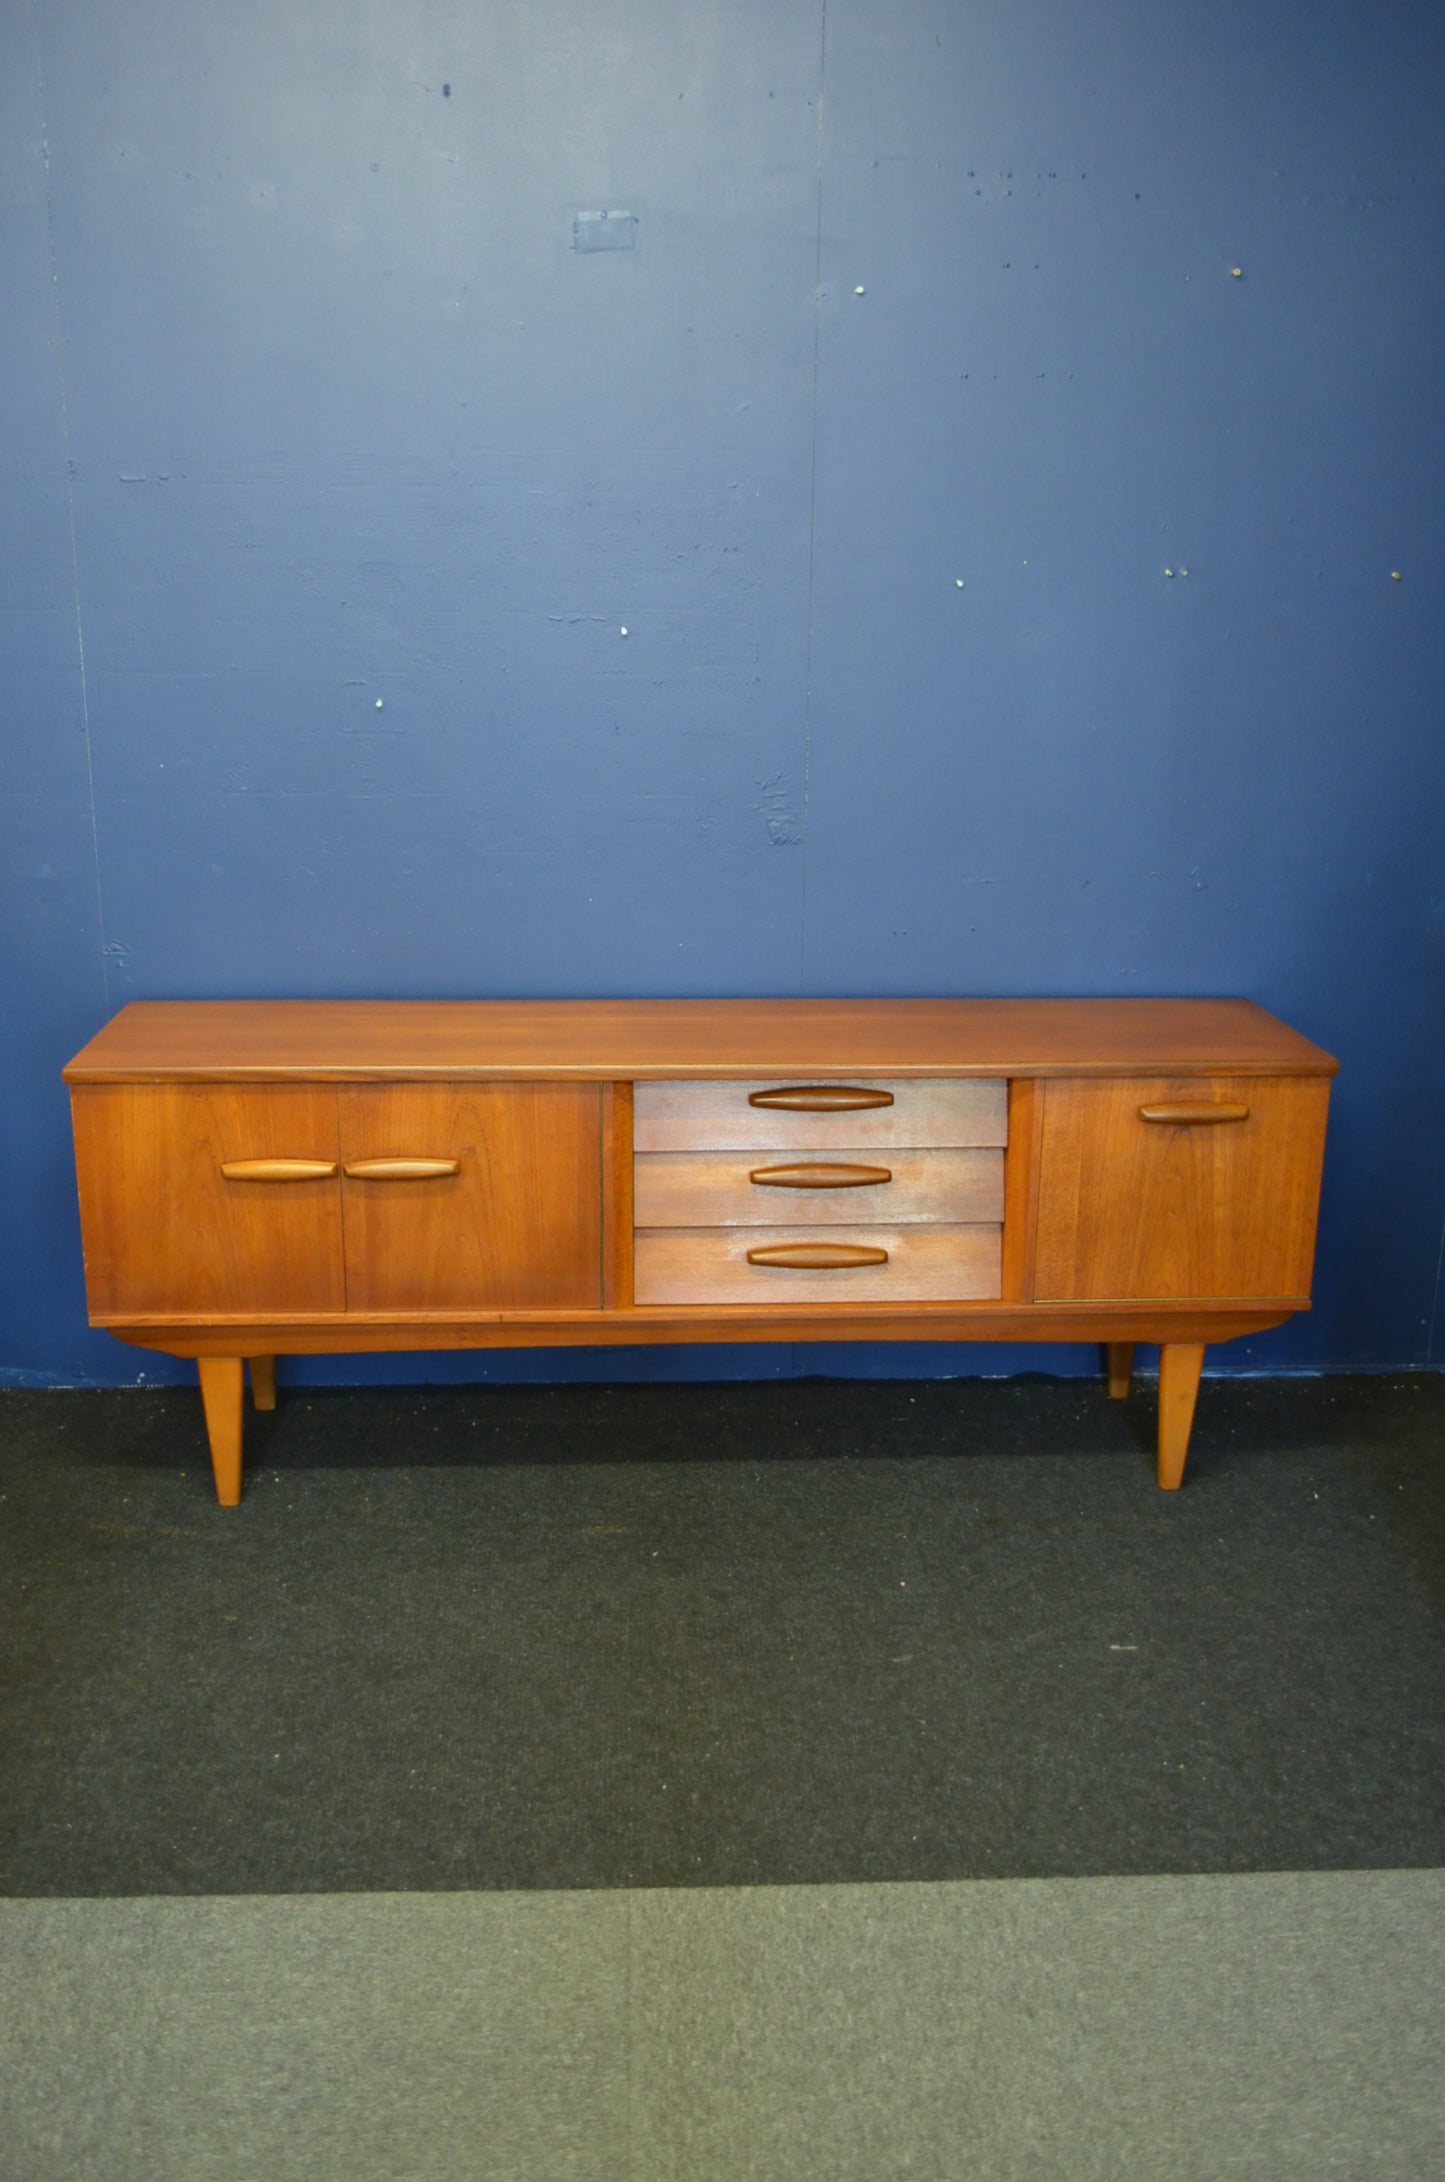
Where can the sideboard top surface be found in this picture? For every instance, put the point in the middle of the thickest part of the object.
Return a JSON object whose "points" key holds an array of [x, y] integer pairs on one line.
{"points": [[213, 1040]]}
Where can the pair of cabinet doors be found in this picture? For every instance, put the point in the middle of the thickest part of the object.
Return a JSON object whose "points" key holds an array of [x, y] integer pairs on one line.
{"points": [[213, 1200]]}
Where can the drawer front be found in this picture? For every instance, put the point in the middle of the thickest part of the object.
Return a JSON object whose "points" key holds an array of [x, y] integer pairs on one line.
{"points": [[481, 1196], [841, 1187], [920, 1264], [684, 1117], [167, 1230], [1174, 1188]]}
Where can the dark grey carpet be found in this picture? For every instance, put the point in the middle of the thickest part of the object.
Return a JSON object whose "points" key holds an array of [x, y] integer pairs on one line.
{"points": [[798, 1632]]}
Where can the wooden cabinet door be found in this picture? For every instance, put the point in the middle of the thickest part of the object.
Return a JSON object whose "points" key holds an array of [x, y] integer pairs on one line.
{"points": [[170, 1232], [1178, 1206], [462, 1197]]}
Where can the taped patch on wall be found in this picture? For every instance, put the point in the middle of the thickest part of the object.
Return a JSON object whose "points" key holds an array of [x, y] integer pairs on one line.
{"points": [[604, 231]]}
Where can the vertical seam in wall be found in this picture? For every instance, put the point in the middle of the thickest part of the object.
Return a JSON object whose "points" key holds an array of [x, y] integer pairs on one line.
{"points": [[812, 502], [1435, 1302], [70, 518]]}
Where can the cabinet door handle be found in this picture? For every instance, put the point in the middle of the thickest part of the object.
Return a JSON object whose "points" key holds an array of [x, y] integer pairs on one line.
{"points": [[820, 1174], [277, 1170], [821, 1098], [1194, 1113], [399, 1170], [812, 1257]]}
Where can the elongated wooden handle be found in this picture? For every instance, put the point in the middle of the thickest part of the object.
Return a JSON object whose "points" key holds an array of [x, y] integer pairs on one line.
{"points": [[820, 1174], [277, 1170], [821, 1098], [817, 1257], [399, 1170], [1194, 1113]]}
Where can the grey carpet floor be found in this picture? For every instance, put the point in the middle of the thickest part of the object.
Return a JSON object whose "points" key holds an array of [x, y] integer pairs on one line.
{"points": [[757, 1635], [747, 1784], [1284, 2028]]}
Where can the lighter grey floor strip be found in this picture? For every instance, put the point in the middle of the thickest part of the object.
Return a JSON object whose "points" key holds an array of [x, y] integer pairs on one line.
{"points": [[1269, 2026]]}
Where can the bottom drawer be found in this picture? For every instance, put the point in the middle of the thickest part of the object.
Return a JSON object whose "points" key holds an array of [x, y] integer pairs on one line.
{"points": [[960, 1264]]}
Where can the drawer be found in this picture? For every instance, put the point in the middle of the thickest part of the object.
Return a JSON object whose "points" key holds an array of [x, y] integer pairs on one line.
{"points": [[848, 1184], [918, 1112], [922, 1264]]}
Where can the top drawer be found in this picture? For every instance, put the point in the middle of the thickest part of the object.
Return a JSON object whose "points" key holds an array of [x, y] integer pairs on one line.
{"points": [[913, 1112]]}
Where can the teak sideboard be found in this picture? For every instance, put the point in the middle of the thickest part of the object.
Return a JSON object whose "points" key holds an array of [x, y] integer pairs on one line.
{"points": [[261, 1178]]}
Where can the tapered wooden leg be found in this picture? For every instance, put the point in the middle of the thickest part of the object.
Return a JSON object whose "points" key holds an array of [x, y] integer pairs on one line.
{"points": [[1119, 1363], [221, 1394], [263, 1381], [1180, 1363]]}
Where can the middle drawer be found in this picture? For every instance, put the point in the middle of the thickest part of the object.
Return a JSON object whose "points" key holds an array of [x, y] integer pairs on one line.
{"points": [[839, 1187]]}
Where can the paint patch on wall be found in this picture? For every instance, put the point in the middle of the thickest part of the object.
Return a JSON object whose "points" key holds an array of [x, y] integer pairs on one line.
{"points": [[604, 231], [775, 805]]}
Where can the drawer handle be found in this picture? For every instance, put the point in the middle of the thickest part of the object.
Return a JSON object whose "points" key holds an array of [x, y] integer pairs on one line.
{"points": [[820, 1175], [815, 1257], [399, 1170], [1194, 1113], [821, 1098], [277, 1170]]}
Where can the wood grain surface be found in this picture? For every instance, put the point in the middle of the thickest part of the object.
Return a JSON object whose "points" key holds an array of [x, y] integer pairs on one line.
{"points": [[1020, 1187], [629, 1039], [682, 1116], [1134, 1209], [1180, 1364], [520, 1221], [710, 1265], [715, 1189], [959, 1320], [222, 1398], [616, 1195], [163, 1229]]}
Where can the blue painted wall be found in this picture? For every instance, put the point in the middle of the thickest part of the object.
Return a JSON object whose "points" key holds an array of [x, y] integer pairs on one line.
{"points": [[334, 473]]}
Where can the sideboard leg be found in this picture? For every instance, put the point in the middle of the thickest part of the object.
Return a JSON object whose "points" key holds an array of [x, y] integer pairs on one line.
{"points": [[1180, 1363], [1119, 1363], [263, 1381], [221, 1396]]}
